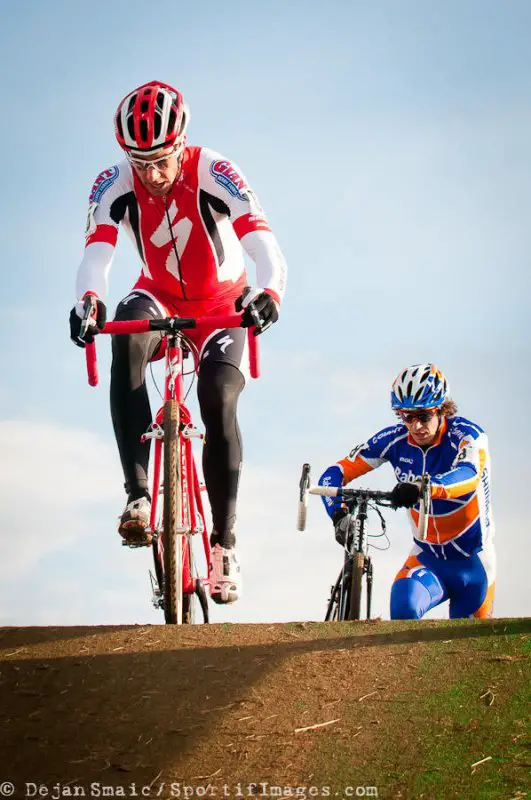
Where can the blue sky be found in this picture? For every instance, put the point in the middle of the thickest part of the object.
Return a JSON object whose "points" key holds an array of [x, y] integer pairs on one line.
{"points": [[389, 143]]}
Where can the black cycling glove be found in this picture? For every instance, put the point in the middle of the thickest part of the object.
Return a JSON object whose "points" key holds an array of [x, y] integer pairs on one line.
{"points": [[265, 306], [98, 320], [405, 495]]}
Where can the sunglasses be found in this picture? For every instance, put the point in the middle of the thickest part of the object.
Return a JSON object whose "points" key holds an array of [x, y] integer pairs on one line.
{"points": [[421, 416], [160, 164]]}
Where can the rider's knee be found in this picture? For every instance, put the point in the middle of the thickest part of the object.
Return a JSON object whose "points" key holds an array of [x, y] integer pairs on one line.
{"points": [[409, 599], [219, 387]]}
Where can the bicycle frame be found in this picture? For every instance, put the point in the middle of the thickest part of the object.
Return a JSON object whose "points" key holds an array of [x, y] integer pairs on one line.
{"points": [[356, 546], [192, 503], [192, 519], [357, 562]]}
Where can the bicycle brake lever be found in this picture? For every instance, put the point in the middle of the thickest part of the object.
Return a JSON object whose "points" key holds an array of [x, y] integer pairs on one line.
{"points": [[87, 313], [257, 319]]}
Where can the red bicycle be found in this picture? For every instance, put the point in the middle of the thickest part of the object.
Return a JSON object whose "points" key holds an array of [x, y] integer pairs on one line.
{"points": [[180, 516]]}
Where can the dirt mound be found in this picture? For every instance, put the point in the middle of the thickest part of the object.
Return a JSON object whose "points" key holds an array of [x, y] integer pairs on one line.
{"points": [[303, 709]]}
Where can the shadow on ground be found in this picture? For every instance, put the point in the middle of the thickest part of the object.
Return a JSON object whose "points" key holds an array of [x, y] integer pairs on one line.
{"points": [[152, 703]]}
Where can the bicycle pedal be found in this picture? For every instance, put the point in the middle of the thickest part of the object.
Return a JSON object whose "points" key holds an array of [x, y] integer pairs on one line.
{"points": [[140, 541]]}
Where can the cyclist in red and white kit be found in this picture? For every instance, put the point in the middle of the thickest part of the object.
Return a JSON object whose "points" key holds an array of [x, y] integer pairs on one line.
{"points": [[189, 212]]}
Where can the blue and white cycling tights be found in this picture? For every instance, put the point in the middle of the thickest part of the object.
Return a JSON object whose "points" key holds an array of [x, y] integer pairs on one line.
{"points": [[426, 581]]}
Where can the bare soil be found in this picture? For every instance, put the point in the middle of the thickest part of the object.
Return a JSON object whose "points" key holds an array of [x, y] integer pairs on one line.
{"points": [[251, 710]]}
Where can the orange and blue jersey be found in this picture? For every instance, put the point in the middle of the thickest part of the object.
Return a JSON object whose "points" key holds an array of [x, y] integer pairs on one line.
{"points": [[460, 520]]}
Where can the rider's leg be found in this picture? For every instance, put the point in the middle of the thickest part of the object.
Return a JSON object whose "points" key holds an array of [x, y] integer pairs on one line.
{"points": [[219, 387], [416, 589], [221, 380], [130, 407], [472, 586]]}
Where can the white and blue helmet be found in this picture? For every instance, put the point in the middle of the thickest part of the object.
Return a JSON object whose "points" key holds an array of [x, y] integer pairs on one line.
{"points": [[419, 386]]}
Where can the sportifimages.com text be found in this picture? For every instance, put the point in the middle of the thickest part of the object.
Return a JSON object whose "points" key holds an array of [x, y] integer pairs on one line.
{"points": [[186, 791]]}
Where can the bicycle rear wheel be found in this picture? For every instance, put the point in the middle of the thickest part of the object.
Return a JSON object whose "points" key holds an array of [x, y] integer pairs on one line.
{"points": [[173, 542], [358, 569]]}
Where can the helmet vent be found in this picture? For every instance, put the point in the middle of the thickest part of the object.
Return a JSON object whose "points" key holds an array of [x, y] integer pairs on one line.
{"points": [[172, 119], [144, 105], [143, 130]]}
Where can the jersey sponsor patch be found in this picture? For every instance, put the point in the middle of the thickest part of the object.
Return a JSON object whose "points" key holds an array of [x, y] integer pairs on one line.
{"points": [[104, 180], [226, 176]]}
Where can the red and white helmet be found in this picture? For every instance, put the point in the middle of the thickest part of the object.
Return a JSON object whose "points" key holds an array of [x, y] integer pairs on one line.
{"points": [[151, 117]]}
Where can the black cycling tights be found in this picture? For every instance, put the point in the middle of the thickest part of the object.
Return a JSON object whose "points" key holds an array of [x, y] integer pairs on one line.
{"points": [[219, 386]]}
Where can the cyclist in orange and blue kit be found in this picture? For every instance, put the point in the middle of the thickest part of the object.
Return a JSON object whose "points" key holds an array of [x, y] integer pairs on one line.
{"points": [[456, 561]]}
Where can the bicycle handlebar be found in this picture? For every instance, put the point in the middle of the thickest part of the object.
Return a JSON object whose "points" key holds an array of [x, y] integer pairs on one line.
{"points": [[172, 325], [351, 495]]}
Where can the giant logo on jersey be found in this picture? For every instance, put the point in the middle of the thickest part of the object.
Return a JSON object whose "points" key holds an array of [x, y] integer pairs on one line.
{"points": [[104, 180], [224, 173], [387, 432]]}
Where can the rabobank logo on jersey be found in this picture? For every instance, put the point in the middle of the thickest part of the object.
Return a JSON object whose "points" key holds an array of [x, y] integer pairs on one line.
{"points": [[224, 173], [104, 180], [407, 477]]}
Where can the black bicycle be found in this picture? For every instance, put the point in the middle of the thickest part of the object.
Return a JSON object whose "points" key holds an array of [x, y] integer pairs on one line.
{"points": [[357, 570]]}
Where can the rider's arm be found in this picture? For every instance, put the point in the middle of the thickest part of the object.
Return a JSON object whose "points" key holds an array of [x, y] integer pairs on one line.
{"points": [[466, 471], [361, 459], [224, 180], [106, 210]]}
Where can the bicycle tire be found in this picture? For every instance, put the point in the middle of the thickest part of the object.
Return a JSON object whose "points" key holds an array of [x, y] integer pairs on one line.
{"points": [[369, 574], [173, 550], [332, 610], [358, 565], [345, 592]]}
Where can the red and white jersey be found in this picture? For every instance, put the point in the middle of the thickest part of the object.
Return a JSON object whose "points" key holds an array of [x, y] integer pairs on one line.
{"points": [[188, 241]]}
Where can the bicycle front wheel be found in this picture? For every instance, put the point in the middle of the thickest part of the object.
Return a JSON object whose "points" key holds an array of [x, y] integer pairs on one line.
{"points": [[358, 569], [172, 522]]}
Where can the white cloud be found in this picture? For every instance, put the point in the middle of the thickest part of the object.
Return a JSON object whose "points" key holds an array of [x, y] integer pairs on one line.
{"points": [[54, 479]]}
